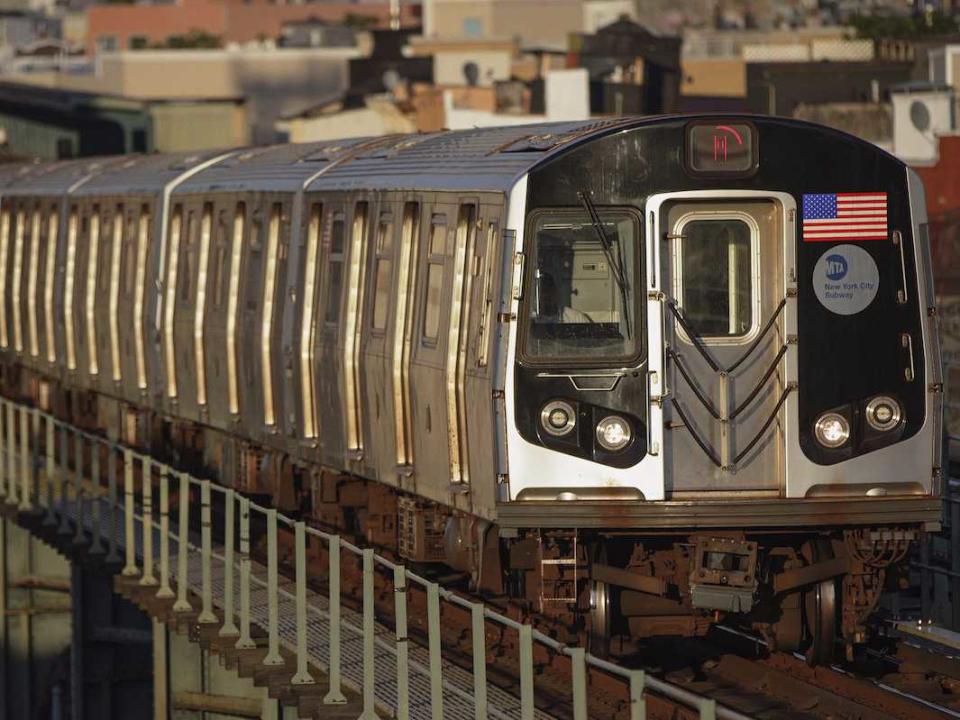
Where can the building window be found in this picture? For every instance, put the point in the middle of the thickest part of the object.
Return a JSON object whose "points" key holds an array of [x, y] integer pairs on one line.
{"points": [[138, 42], [107, 43], [472, 27]]}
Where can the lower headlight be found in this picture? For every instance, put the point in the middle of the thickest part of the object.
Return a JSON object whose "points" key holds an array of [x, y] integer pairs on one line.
{"points": [[832, 430], [614, 433], [558, 418], [883, 413]]}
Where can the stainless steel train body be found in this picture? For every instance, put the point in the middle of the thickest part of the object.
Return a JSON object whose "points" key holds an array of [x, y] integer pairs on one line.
{"points": [[642, 334]]}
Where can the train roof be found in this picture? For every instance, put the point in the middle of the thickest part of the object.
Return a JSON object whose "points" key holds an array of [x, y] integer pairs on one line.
{"points": [[480, 159]]}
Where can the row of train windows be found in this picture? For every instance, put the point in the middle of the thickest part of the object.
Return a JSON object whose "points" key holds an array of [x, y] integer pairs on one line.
{"points": [[123, 271]]}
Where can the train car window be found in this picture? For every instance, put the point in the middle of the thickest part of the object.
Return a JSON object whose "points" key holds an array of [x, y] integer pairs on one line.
{"points": [[220, 261], [128, 262], [93, 252], [53, 227], [353, 324], [403, 331], [188, 261], [5, 231], [715, 277], [335, 271], [206, 227], [173, 264], [308, 326], [116, 248], [17, 277], [32, 277], [70, 273], [143, 235], [434, 279], [487, 275], [236, 255], [383, 273], [266, 327], [583, 303]]}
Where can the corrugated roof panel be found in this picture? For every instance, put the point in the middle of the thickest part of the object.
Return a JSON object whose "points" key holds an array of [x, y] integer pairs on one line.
{"points": [[143, 174], [55, 178]]}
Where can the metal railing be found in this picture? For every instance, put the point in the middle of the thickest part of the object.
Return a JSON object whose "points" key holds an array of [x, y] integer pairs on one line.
{"points": [[37, 479]]}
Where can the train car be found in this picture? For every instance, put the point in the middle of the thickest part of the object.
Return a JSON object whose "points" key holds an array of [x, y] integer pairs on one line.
{"points": [[643, 375]]}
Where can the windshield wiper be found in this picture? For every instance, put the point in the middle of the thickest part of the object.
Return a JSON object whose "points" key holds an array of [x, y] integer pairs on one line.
{"points": [[616, 262]]}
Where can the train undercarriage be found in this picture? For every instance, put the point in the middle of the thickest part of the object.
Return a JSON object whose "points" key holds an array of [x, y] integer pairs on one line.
{"points": [[809, 591]]}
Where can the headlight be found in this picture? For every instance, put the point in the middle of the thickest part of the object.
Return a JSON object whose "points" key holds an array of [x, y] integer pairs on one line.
{"points": [[614, 433], [832, 430], [883, 413], [558, 418]]}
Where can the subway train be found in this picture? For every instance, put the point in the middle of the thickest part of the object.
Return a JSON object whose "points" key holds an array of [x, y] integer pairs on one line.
{"points": [[638, 375]]}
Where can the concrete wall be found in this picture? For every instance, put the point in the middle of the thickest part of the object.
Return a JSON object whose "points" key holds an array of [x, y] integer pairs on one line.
{"points": [[350, 123], [493, 65], [274, 83], [538, 23], [198, 126]]}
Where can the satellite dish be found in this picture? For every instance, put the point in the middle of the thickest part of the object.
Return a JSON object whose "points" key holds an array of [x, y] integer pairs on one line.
{"points": [[471, 73], [920, 115], [390, 79]]}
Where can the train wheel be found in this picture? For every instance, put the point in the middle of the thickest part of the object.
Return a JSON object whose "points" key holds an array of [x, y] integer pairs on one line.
{"points": [[821, 610], [601, 612]]}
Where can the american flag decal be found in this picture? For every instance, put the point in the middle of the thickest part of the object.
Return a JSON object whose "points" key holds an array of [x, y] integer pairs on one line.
{"points": [[828, 217]]}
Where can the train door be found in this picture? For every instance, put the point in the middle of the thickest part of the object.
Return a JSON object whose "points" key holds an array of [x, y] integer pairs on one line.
{"points": [[438, 402], [721, 273], [375, 394], [328, 371]]}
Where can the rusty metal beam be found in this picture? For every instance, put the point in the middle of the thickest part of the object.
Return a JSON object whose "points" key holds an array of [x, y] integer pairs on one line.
{"points": [[222, 704], [39, 582], [809, 574], [626, 579]]}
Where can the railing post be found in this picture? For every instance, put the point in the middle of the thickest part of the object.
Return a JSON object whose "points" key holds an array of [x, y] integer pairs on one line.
{"points": [[229, 628], [12, 455], [165, 590], [369, 636], [95, 507], [708, 709], [436, 651], [62, 480], [479, 661], [78, 535], [206, 616], [12, 493], [183, 546], [49, 519], [273, 590], [526, 673], [26, 468], [578, 666], [403, 662], [302, 676], [113, 554], [638, 703], [146, 472], [245, 642], [129, 532], [334, 695]]}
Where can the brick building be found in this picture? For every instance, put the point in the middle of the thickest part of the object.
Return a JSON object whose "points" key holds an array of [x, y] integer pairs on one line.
{"points": [[130, 27]]}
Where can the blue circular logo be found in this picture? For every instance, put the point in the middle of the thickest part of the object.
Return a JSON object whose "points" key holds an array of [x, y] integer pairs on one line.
{"points": [[836, 267]]}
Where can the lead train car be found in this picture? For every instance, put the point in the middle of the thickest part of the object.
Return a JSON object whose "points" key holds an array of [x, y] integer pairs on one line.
{"points": [[643, 373]]}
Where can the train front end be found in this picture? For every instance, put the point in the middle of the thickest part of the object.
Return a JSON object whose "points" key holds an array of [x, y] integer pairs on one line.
{"points": [[723, 387]]}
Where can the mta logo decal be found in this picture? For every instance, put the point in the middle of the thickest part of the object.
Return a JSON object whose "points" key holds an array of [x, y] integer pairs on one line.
{"points": [[836, 267]]}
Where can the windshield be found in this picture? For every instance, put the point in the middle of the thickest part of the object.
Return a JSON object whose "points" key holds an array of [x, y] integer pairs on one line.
{"points": [[582, 301]]}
